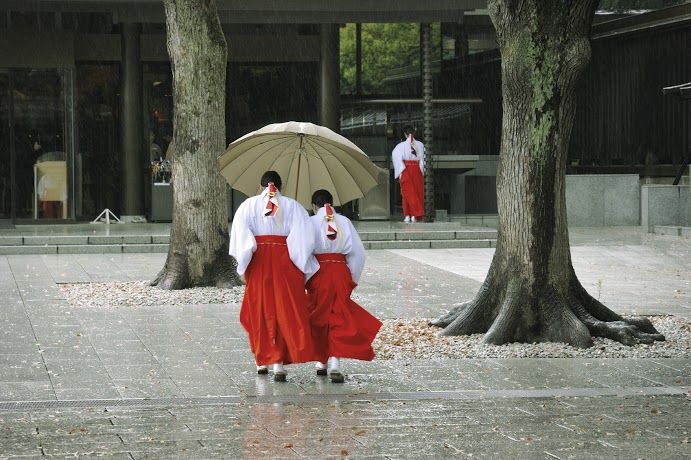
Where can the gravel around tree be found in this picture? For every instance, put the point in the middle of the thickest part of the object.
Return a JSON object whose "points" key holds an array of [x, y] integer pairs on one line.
{"points": [[410, 338]]}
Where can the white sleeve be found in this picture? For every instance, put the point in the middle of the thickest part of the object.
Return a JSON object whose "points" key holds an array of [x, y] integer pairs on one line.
{"points": [[301, 242], [242, 242], [422, 158], [356, 257], [397, 160]]}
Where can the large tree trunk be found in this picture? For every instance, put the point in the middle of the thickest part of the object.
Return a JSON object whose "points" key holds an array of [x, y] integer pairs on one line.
{"points": [[198, 253], [531, 293]]}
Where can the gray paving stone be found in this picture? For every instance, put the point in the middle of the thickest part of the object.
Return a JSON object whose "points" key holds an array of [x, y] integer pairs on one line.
{"points": [[377, 236], [144, 248], [487, 408], [90, 249], [446, 244], [162, 387], [160, 239], [27, 390], [11, 240], [106, 239], [95, 390], [428, 235], [54, 240], [399, 245], [27, 249], [136, 239]]}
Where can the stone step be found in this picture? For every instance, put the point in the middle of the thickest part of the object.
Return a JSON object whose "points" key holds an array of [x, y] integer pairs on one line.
{"points": [[126, 240], [83, 249], [26, 249], [672, 230], [431, 244]]}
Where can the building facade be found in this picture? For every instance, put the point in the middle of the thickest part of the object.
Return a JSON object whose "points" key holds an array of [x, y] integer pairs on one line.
{"points": [[86, 95]]}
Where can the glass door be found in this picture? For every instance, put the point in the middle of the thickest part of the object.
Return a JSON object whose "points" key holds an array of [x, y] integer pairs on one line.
{"points": [[41, 161], [5, 145]]}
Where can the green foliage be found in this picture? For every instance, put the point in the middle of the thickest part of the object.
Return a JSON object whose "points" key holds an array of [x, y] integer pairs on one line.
{"points": [[387, 50], [347, 45]]}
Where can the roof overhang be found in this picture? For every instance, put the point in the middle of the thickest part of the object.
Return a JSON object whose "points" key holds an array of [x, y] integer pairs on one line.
{"points": [[271, 11]]}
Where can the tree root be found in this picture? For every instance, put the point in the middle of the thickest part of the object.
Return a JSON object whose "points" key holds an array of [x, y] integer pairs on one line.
{"points": [[175, 275], [509, 315], [448, 318], [603, 322]]}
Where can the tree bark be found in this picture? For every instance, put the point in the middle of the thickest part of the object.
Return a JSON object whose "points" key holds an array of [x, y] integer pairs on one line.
{"points": [[198, 252], [531, 293]]}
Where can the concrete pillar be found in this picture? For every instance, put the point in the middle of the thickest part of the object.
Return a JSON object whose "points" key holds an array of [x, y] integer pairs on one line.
{"points": [[426, 39], [330, 79], [131, 122]]}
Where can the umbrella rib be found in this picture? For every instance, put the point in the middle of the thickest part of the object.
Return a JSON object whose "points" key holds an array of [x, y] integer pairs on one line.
{"points": [[324, 151], [334, 191], [289, 139]]}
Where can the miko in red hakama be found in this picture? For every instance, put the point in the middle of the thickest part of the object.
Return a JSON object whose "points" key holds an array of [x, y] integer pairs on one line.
{"points": [[412, 190], [274, 309], [340, 327]]}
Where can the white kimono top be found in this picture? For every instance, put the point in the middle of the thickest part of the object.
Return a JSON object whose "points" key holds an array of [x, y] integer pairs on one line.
{"points": [[347, 241], [291, 220], [403, 152]]}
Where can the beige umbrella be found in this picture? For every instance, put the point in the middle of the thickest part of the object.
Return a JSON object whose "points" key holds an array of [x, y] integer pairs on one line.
{"points": [[307, 156]]}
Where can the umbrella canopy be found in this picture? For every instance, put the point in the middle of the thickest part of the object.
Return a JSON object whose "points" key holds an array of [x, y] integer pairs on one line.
{"points": [[308, 157]]}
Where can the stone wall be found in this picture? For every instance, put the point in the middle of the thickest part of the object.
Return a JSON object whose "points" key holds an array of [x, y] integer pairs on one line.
{"points": [[664, 205], [603, 200]]}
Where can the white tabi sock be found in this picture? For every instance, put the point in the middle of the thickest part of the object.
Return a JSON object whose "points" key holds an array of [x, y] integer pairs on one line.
{"points": [[278, 367], [334, 364], [320, 365]]}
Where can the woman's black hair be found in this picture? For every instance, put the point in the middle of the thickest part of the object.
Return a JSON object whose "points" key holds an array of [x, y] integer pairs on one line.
{"points": [[321, 197], [271, 176]]}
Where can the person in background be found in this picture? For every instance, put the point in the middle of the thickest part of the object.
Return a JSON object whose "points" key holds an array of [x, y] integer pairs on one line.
{"points": [[408, 159], [272, 240], [341, 328]]}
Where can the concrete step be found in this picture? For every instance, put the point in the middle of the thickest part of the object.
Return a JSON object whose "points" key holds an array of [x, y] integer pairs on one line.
{"points": [[412, 234], [80, 240], [405, 234], [25, 249], [431, 244], [406, 237], [672, 230], [83, 249]]}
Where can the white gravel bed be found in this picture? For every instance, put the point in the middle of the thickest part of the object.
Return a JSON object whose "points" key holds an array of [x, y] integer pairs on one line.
{"points": [[139, 294], [414, 339], [398, 338]]}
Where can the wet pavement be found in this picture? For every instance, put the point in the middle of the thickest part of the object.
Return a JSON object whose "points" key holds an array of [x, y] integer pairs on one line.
{"points": [[177, 381]]}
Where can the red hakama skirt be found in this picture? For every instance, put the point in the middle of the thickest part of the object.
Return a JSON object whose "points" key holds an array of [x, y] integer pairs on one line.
{"points": [[412, 189], [274, 309], [340, 327]]}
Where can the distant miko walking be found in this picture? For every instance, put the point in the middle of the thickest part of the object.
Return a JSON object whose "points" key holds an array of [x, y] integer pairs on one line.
{"points": [[408, 159], [341, 328], [273, 241]]}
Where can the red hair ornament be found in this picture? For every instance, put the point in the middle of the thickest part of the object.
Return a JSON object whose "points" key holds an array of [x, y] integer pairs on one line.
{"points": [[331, 232], [272, 203]]}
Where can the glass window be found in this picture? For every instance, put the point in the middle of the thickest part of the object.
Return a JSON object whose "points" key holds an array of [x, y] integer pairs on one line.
{"points": [[158, 109], [5, 158], [347, 58], [257, 95], [390, 56], [23, 20], [41, 150], [98, 127]]}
